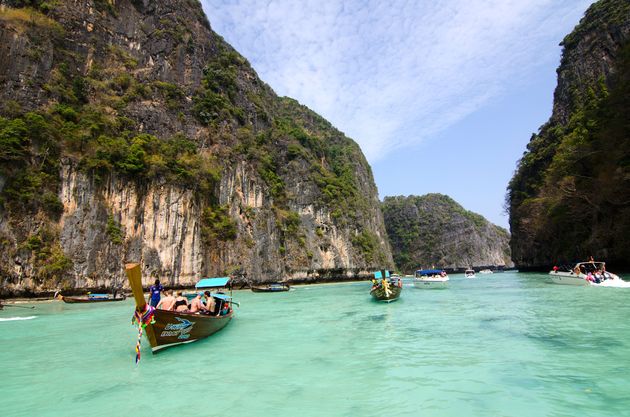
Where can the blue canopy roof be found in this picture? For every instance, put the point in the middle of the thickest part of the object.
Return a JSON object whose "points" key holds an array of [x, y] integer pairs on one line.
{"points": [[429, 271], [378, 274], [213, 282], [222, 296]]}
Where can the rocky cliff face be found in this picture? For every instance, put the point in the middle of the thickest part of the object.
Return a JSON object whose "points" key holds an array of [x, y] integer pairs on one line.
{"points": [[433, 230], [132, 132], [569, 197]]}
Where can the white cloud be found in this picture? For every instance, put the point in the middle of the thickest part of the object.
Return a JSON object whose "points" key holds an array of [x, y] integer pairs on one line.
{"points": [[392, 73]]}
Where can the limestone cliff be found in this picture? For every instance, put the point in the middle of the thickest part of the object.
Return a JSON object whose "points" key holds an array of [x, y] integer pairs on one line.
{"points": [[433, 230], [130, 131], [569, 198]]}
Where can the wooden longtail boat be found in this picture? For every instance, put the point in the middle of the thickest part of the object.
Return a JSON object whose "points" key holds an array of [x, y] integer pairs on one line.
{"points": [[275, 287], [92, 298], [170, 328], [385, 288]]}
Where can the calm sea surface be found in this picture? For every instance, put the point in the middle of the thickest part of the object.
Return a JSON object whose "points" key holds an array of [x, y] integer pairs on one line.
{"points": [[502, 345]]}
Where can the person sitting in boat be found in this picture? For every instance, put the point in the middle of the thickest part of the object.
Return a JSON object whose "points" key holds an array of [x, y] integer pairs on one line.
{"points": [[181, 303], [196, 306], [168, 302], [374, 283], [211, 305], [226, 309], [443, 273], [590, 277]]}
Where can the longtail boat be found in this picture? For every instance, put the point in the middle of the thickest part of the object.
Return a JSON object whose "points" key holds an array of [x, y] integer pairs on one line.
{"points": [[275, 287], [92, 298], [166, 328], [386, 288]]}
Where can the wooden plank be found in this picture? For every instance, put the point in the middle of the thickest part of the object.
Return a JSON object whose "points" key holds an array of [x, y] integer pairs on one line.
{"points": [[135, 281], [134, 273]]}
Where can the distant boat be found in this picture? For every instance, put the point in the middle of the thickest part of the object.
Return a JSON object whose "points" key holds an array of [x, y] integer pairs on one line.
{"points": [[485, 271], [92, 298], [587, 273], [470, 273], [169, 328], [274, 287], [430, 278], [385, 287]]}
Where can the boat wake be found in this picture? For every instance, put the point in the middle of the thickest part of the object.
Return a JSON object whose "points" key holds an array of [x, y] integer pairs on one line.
{"points": [[17, 318], [613, 283]]}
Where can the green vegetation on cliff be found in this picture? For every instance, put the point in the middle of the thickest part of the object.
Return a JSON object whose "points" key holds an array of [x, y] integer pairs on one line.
{"points": [[181, 110], [570, 195], [434, 230]]}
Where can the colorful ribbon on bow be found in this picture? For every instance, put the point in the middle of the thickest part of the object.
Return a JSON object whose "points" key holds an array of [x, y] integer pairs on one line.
{"points": [[142, 319]]}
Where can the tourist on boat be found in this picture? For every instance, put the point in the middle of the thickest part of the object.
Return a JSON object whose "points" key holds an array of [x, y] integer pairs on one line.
{"points": [[181, 303], [226, 309], [211, 305], [155, 291], [168, 302], [196, 305]]}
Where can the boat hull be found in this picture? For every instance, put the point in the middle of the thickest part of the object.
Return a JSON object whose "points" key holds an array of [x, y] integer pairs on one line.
{"points": [[430, 283], [75, 300], [172, 328], [568, 278], [380, 294]]}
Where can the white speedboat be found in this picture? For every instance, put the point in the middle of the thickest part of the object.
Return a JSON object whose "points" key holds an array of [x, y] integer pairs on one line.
{"points": [[430, 278], [485, 271], [470, 273], [587, 273]]}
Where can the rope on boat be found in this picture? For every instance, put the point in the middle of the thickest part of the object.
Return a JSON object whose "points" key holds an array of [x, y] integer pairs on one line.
{"points": [[142, 319]]}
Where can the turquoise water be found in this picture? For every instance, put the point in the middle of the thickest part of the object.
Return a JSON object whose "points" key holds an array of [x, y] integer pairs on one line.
{"points": [[501, 345]]}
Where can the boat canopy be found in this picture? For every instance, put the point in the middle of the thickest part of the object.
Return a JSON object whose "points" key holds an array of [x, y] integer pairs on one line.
{"points": [[379, 274], [222, 296], [592, 263], [428, 271], [212, 282], [590, 266]]}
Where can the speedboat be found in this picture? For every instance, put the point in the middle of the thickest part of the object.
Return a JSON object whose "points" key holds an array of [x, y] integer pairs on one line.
{"points": [[485, 271], [587, 273], [470, 273], [430, 278]]}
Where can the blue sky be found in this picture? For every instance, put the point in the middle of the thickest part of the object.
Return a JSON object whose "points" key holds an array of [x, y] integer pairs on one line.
{"points": [[441, 95]]}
